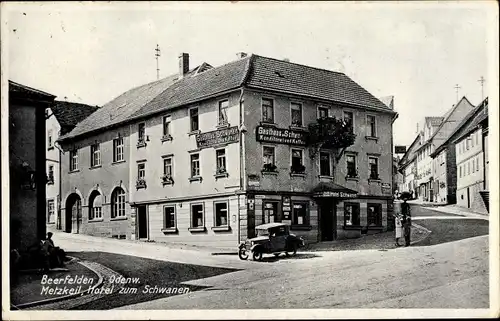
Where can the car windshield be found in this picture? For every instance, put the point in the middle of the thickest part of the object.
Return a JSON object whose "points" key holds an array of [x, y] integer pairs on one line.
{"points": [[263, 232]]}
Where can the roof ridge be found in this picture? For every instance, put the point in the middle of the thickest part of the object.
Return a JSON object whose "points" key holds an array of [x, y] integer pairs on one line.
{"points": [[296, 63]]}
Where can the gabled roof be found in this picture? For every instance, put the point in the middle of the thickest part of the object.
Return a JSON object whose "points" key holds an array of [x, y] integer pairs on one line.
{"points": [[69, 114], [470, 121], [434, 121], [19, 89], [252, 71], [448, 114], [406, 159]]}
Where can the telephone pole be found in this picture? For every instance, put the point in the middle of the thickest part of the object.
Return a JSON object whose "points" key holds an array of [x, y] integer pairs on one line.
{"points": [[157, 55], [457, 87], [482, 81]]}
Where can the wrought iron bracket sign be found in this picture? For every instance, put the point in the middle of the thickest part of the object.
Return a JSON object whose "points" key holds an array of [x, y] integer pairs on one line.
{"points": [[269, 134], [217, 137]]}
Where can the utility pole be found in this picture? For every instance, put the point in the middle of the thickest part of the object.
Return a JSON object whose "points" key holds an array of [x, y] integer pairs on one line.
{"points": [[457, 87], [157, 55], [482, 81]]}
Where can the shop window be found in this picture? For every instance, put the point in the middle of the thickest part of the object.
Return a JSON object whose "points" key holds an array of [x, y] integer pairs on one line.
{"points": [[324, 164], [221, 214], [351, 214], [300, 214], [270, 212], [193, 116], [296, 113], [197, 216], [169, 219], [267, 110], [374, 215]]}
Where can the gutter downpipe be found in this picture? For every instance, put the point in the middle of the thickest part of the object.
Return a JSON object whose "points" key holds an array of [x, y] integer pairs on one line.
{"points": [[241, 146], [59, 200]]}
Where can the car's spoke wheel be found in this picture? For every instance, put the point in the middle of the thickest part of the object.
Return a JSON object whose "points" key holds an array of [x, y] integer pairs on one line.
{"points": [[292, 251], [242, 253], [257, 256]]}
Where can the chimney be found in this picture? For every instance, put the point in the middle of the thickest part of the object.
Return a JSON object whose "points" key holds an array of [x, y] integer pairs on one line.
{"points": [[183, 64], [286, 59], [241, 55]]}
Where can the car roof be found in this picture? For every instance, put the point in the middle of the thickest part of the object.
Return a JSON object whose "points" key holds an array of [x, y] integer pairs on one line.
{"points": [[268, 226]]}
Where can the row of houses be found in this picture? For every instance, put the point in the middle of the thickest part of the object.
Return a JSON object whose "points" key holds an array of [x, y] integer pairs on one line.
{"points": [[205, 155], [448, 159]]}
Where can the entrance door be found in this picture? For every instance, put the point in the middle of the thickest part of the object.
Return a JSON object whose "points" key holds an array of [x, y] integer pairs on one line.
{"points": [[328, 221], [142, 221], [77, 213], [73, 210], [270, 212]]}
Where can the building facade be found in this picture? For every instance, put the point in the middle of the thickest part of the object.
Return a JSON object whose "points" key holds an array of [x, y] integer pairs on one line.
{"points": [[27, 148], [61, 117], [212, 152]]}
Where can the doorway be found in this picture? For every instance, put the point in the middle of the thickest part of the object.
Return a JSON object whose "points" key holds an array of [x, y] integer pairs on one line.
{"points": [[142, 222], [328, 220], [73, 210]]}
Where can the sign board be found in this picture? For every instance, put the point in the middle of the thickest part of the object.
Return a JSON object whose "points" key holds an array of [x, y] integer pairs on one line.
{"points": [[336, 194], [253, 180], [386, 185], [276, 135], [286, 207], [217, 137], [400, 149]]}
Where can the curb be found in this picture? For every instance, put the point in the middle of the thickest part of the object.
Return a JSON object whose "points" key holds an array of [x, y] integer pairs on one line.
{"points": [[425, 237], [66, 297]]}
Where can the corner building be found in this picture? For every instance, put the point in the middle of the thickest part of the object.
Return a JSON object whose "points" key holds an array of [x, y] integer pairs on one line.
{"points": [[209, 153]]}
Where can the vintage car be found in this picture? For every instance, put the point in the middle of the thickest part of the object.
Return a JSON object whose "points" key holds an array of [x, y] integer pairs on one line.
{"points": [[272, 238]]}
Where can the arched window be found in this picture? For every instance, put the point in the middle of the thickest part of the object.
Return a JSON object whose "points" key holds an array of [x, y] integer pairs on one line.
{"points": [[118, 203], [95, 206]]}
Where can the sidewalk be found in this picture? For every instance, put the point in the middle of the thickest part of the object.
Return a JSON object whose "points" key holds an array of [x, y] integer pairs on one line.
{"points": [[450, 209]]}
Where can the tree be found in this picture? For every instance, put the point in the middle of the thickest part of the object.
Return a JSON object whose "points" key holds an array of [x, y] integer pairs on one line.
{"points": [[330, 133]]}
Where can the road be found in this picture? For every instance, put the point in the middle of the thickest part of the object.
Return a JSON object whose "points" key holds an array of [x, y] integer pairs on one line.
{"points": [[448, 272]]}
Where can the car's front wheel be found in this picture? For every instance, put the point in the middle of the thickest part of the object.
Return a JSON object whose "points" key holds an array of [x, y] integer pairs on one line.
{"points": [[292, 251], [257, 255], [242, 253]]}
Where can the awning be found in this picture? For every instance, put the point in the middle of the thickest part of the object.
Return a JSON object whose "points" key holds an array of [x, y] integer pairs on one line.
{"points": [[327, 189]]}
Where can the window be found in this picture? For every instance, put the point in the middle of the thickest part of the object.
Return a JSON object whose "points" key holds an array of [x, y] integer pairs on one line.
{"points": [[374, 214], [49, 142], [472, 139], [267, 110], [169, 217], [460, 171], [141, 132], [223, 106], [324, 164], [296, 113], [95, 155], [268, 159], [51, 174], [95, 208], [73, 160], [195, 165], [220, 156], [166, 126], [349, 119], [477, 163], [473, 165], [351, 214], [323, 112], [118, 203], [467, 143], [193, 116], [141, 171], [50, 211], [300, 213], [270, 212], [197, 216], [221, 214], [167, 167], [468, 168], [351, 166], [297, 161], [118, 150], [372, 129], [373, 162]]}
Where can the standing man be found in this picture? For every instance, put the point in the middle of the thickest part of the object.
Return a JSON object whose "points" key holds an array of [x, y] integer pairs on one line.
{"points": [[406, 221]]}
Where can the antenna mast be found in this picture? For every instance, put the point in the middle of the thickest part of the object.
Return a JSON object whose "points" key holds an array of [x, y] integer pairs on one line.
{"points": [[482, 80], [157, 54], [457, 87]]}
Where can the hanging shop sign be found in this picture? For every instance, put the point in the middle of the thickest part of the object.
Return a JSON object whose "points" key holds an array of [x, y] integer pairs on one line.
{"points": [[217, 137], [276, 135]]}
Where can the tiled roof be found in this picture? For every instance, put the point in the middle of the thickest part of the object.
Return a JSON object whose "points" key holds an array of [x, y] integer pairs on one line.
{"points": [[435, 121], [69, 114], [252, 71], [283, 76], [18, 88], [448, 114], [470, 121]]}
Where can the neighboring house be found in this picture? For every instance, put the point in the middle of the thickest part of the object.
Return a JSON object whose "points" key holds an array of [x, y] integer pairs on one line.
{"points": [[204, 156], [407, 166], [27, 164], [471, 148], [60, 119]]}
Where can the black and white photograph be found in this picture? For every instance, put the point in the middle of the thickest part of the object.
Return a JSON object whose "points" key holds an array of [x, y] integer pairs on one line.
{"points": [[249, 160]]}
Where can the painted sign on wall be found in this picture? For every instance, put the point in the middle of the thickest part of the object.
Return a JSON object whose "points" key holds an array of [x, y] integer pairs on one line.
{"points": [[217, 137], [280, 135]]}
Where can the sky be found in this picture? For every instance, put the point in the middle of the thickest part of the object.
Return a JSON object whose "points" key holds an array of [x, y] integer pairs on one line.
{"points": [[93, 52]]}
